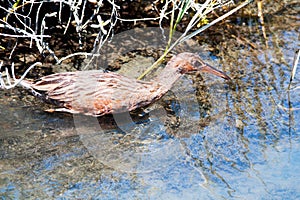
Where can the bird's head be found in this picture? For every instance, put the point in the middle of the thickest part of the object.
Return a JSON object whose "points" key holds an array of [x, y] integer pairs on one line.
{"points": [[191, 62]]}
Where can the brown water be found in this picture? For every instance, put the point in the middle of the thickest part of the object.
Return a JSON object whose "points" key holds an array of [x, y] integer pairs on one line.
{"points": [[206, 139]]}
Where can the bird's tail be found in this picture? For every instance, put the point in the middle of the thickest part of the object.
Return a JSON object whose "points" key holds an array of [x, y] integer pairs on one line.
{"points": [[13, 82], [28, 85]]}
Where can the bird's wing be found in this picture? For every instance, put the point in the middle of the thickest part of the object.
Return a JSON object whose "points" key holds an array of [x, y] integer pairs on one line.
{"points": [[97, 92], [121, 93], [50, 82]]}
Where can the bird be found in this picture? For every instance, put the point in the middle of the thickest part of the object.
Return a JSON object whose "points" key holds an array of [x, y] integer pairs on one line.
{"points": [[98, 93]]}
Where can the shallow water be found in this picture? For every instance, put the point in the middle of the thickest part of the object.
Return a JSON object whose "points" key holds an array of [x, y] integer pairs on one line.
{"points": [[204, 140]]}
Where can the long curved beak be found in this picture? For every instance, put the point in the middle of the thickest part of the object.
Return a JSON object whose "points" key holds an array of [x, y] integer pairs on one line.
{"points": [[209, 69]]}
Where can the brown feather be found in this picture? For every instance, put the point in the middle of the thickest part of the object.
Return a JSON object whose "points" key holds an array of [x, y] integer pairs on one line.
{"points": [[97, 93]]}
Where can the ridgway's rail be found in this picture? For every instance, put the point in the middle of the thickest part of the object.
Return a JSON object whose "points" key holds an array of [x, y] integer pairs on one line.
{"points": [[98, 93]]}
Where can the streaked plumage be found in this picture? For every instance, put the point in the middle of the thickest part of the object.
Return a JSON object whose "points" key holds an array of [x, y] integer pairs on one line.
{"points": [[97, 93]]}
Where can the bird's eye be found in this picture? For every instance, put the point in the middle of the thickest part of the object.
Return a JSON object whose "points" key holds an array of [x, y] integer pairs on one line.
{"points": [[197, 64]]}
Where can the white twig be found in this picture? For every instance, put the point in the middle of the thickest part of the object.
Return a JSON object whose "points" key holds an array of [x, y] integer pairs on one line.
{"points": [[77, 54], [12, 51], [11, 84]]}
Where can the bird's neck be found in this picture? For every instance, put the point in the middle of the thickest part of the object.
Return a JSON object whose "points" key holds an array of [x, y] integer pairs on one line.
{"points": [[167, 77]]}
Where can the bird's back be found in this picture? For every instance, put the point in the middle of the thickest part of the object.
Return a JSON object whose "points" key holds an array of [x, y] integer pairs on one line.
{"points": [[97, 93]]}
